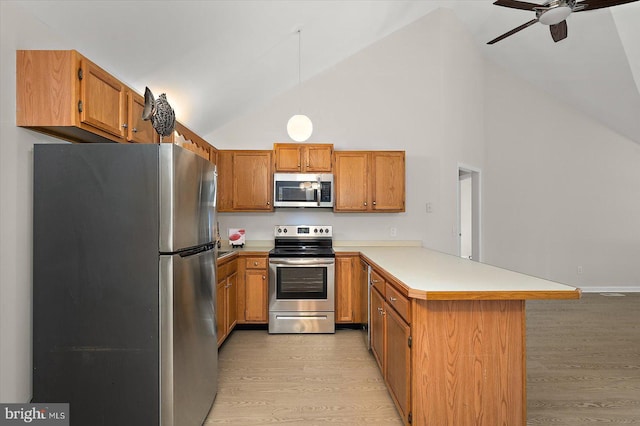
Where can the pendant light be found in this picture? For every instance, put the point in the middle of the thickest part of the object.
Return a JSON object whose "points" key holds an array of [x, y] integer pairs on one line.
{"points": [[299, 127]]}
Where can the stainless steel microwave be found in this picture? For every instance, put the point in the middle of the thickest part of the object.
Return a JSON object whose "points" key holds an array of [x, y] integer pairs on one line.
{"points": [[303, 190]]}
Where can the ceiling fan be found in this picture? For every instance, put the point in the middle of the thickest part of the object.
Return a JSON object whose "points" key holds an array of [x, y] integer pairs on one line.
{"points": [[553, 13]]}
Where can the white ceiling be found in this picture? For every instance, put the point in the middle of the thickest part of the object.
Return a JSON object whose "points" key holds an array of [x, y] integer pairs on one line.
{"points": [[219, 59]]}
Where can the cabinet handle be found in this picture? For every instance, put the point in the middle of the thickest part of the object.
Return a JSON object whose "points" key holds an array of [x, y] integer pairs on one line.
{"points": [[124, 126], [255, 263], [299, 165], [365, 203], [374, 203], [268, 203], [263, 277], [135, 130], [393, 299], [375, 281]]}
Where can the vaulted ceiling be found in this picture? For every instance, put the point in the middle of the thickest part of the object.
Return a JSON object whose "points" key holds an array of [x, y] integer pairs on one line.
{"points": [[219, 59]]}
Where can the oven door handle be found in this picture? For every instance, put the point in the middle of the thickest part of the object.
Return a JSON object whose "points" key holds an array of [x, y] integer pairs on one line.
{"points": [[303, 261]]}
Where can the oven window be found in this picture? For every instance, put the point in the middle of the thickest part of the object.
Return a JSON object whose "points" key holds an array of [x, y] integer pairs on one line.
{"points": [[301, 283]]}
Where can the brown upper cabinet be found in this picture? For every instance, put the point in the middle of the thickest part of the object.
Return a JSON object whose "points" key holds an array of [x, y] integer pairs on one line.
{"points": [[245, 180], [138, 130], [64, 94], [303, 158], [369, 181], [189, 140]]}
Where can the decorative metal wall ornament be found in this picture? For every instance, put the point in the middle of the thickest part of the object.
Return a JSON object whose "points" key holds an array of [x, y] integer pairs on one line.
{"points": [[162, 116]]}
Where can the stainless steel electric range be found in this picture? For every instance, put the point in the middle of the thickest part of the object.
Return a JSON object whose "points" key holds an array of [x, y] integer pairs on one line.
{"points": [[301, 280]]}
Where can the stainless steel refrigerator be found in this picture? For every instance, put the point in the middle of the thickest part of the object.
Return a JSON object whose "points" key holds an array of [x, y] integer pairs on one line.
{"points": [[124, 283]]}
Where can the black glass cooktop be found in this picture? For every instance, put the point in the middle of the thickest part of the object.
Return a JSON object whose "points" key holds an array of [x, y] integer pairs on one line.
{"points": [[302, 251]]}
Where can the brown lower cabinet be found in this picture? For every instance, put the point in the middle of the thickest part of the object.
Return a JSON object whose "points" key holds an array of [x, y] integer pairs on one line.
{"points": [[347, 294], [449, 362], [253, 288], [390, 344], [226, 297]]}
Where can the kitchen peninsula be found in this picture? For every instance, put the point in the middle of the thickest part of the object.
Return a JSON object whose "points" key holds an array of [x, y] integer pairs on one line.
{"points": [[449, 334]]}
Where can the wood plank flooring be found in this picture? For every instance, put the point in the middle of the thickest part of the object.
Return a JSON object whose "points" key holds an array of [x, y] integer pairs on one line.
{"points": [[583, 367], [300, 379], [583, 361]]}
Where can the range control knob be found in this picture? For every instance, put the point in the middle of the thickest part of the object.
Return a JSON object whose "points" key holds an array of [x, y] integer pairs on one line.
{"points": [[285, 230], [326, 230], [315, 231], [279, 230], [321, 230]]}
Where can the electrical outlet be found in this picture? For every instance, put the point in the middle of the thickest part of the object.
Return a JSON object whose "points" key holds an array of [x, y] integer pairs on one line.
{"points": [[579, 270], [428, 207], [393, 231]]}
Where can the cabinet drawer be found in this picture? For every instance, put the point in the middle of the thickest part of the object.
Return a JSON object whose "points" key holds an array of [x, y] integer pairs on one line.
{"points": [[399, 302], [221, 271], [377, 282], [256, 263], [232, 267]]}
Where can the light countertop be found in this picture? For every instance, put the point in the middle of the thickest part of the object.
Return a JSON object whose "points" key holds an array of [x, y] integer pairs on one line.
{"points": [[432, 275]]}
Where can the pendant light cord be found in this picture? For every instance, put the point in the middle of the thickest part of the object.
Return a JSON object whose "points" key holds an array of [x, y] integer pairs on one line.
{"points": [[300, 70]]}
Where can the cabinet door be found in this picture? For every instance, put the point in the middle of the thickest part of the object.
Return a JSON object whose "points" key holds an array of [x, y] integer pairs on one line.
{"points": [[377, 328], [256, 295], [317, 158], [345, 289], [232, 300], [138, 130], [398, 361], [388, 177], [252, 181], [288, 158], [221, 314], [225, 181], [350, 176], [103, 100]]}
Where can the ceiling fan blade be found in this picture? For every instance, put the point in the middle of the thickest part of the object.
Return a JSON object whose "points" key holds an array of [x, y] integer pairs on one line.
{"points": [[558, 31], [515, 4], [513, 31], [600, 4]]}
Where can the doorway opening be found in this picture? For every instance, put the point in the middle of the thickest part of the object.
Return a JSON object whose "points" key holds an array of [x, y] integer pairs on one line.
{"points": [[469, 212]]}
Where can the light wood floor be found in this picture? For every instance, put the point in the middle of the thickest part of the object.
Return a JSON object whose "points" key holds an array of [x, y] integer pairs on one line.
{"points": [[583, 367], [300, 379], [583, 361]]}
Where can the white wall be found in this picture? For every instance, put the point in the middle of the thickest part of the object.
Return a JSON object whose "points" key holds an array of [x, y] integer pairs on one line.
{"points": [[16, 181], [419, 90], [561, 191]]}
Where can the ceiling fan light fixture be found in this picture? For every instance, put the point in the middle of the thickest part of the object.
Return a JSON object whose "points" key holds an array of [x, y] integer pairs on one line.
{"points": [[554, 16]]}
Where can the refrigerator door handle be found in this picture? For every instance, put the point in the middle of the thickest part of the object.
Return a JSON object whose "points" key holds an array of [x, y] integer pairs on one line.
{"points": [[196, 250]]}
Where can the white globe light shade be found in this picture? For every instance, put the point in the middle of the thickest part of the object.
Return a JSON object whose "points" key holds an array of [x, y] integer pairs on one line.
{"points": [[299, 128], [555, 16]]}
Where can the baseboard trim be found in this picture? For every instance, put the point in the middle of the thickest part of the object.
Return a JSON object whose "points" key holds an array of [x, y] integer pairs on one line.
{"points": [[612, 289]]}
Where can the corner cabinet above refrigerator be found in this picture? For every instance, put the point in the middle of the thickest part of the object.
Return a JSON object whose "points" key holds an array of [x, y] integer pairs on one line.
{"points": [[124, 283]]}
